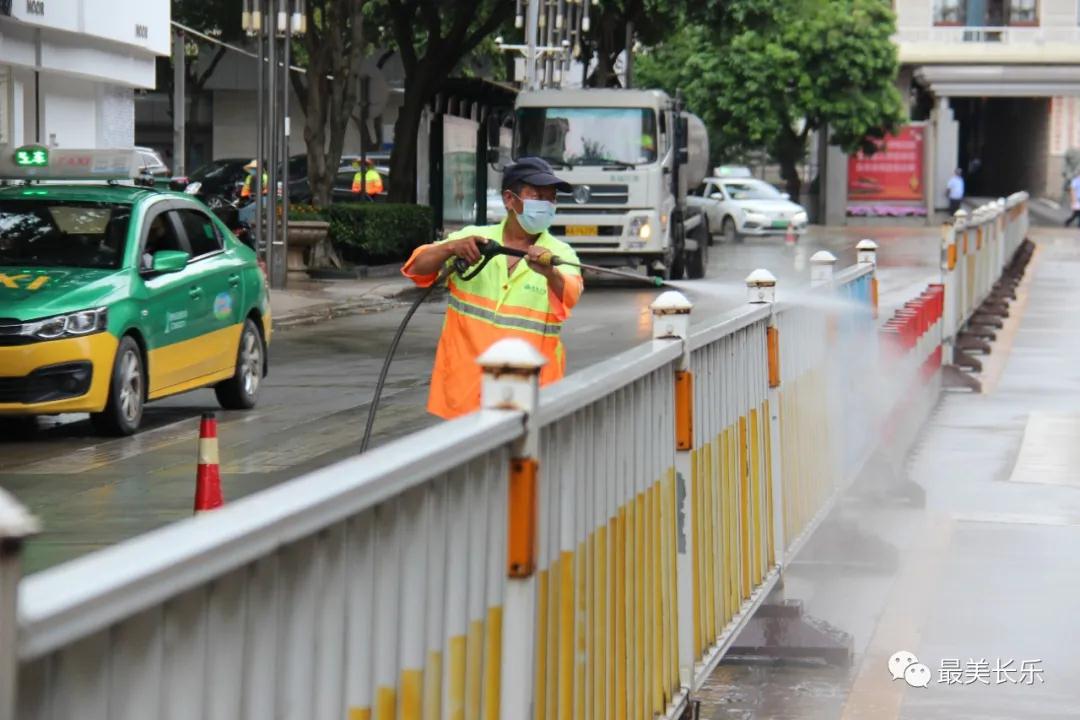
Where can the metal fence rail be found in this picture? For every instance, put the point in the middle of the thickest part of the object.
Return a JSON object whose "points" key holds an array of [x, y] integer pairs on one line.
{"points": [[589, 551]]}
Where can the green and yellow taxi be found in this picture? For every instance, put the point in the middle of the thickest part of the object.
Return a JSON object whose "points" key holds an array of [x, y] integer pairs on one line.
{"points": [[113, 294]]}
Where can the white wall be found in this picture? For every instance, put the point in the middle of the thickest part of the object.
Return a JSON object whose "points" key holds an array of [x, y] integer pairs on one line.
{"points": [[115, 116], [69, 111], [234, 126]]}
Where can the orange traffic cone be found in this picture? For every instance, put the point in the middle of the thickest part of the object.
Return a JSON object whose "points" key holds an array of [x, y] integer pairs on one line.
{"points": [[790, 237], [208, 476]]}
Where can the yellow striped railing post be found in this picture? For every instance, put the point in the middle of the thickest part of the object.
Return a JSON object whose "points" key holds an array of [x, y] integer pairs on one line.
{"points": [[761, 289], [866, 252], [512, 382], [671, 321]]}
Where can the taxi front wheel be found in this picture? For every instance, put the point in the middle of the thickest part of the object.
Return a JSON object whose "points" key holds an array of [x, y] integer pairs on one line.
{"points": [[127, 391], [241, 391]]}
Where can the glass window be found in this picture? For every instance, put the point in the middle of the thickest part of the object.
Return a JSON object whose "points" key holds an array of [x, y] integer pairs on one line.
{"points": [[950, 12], [751, 190], [587, 136], [1024, 12], [160, 235], [70, 234], [202, 236]]}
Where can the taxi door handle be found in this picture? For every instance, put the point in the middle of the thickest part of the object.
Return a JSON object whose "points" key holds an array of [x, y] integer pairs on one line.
{"points": [[234, 280], [195, 293]]}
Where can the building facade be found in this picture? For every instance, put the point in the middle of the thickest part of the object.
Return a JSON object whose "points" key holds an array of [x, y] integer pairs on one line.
{"points": [[69, 69], [999, 83]]}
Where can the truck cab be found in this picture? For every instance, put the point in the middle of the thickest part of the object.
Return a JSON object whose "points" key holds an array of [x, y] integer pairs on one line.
{"points": [[630, 155]]}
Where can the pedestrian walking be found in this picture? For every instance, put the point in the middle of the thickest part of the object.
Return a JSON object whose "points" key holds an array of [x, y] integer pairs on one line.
{"points": [[954, 191], [509, 298], [1074, 200]]}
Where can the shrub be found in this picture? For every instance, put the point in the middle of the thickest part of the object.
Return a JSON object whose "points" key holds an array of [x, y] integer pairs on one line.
{"points": [[306, 212], [376, 233]]}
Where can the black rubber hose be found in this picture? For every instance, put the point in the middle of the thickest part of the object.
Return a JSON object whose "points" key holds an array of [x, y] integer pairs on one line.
{"points": [[390, 357]]}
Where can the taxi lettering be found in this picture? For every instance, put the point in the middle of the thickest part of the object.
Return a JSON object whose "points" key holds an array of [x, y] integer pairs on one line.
{"points": [[14, 282]]}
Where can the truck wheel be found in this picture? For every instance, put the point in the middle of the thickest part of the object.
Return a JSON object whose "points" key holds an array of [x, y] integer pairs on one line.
{"points": [[731, 233], [127, 391], [241, 391], [698, 260], [678, 252]]}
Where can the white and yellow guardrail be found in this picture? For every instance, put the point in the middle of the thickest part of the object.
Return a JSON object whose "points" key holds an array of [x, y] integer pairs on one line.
{"points": [[585, 551], [977, 251]]}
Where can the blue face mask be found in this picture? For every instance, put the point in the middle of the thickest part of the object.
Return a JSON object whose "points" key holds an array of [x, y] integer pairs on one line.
{"points": [[536, 216]]}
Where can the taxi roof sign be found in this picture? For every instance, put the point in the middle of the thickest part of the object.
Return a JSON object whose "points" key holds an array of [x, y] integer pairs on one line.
{"points": [[32, 156], [35, 162]]}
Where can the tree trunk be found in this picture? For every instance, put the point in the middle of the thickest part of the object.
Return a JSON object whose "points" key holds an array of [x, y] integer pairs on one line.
{"points": [[790, 150], [403, 158], [789, 171], [315, 140]]}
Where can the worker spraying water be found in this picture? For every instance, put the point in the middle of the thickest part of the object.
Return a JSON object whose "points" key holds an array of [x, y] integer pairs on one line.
{"points": [[512, 279], [523, 295]]}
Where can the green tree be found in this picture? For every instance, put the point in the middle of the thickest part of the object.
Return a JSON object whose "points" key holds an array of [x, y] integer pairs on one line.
{"points": [[332, 52], [433, 38], [772, 82], [217, 18], [650, 23]]}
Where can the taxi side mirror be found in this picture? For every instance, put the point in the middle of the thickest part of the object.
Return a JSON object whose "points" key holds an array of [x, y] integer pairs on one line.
{"points": [[170, 261], [717, 196]]}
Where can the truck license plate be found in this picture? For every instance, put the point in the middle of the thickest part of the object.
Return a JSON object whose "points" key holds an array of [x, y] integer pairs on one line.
{"points": [[581, 230]]}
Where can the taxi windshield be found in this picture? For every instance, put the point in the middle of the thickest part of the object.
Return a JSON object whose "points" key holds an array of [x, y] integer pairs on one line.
{"points": [[67, 234]]}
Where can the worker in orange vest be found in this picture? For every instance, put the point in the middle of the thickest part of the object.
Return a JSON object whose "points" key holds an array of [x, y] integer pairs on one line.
{"points": [[511, 297], [369, 180], [248, 190]]}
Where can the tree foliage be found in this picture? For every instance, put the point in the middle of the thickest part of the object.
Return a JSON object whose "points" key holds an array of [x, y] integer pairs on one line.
{"points": [[433, 38], [769, 79], [332, 51], [217, 18]]}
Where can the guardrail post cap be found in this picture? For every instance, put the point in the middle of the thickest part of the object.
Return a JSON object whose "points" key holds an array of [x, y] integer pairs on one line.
{"points": [[760, 287], [16, 522], [821, 267], [671, 315], [866, 251], [511, 375], [960, 216]]}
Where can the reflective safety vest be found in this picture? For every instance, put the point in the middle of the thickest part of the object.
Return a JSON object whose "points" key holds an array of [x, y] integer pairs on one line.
{"points": [[249, 185], [496, 304], [373, 181]]}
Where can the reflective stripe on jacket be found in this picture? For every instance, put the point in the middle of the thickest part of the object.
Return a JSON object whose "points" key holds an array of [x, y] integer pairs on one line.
{"points": [[496, 304]]}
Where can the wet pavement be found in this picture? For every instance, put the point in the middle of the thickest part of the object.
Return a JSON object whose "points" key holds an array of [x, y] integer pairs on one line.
{"points": [[981, 584], [90, 492]]}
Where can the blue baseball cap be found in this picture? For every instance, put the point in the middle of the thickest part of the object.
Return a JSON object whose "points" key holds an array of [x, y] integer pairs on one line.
{"points": [[533, 171]]}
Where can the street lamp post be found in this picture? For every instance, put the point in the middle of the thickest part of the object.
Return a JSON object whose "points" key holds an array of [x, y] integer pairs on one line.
{"points": [[273, 23]]}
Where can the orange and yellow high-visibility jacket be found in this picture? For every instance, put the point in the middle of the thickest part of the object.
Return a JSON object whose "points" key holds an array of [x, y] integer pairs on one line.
{"points": [[496, 304]]}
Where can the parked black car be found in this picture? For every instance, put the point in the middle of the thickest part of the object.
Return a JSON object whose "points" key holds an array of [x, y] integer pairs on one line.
{"points": [[222, 178], [300, 188]]}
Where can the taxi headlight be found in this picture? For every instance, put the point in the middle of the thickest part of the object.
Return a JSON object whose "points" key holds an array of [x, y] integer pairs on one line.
{"points": [[76, 324]]}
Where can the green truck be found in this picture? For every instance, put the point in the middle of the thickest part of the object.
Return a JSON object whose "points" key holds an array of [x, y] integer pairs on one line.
{"points": [[115, 294]]}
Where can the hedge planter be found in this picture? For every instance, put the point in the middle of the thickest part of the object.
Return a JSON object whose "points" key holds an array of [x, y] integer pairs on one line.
{"points": [[302, 236]]}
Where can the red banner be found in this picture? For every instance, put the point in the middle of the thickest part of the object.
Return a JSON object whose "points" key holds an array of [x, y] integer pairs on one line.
{"points": [[894, 172]]}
